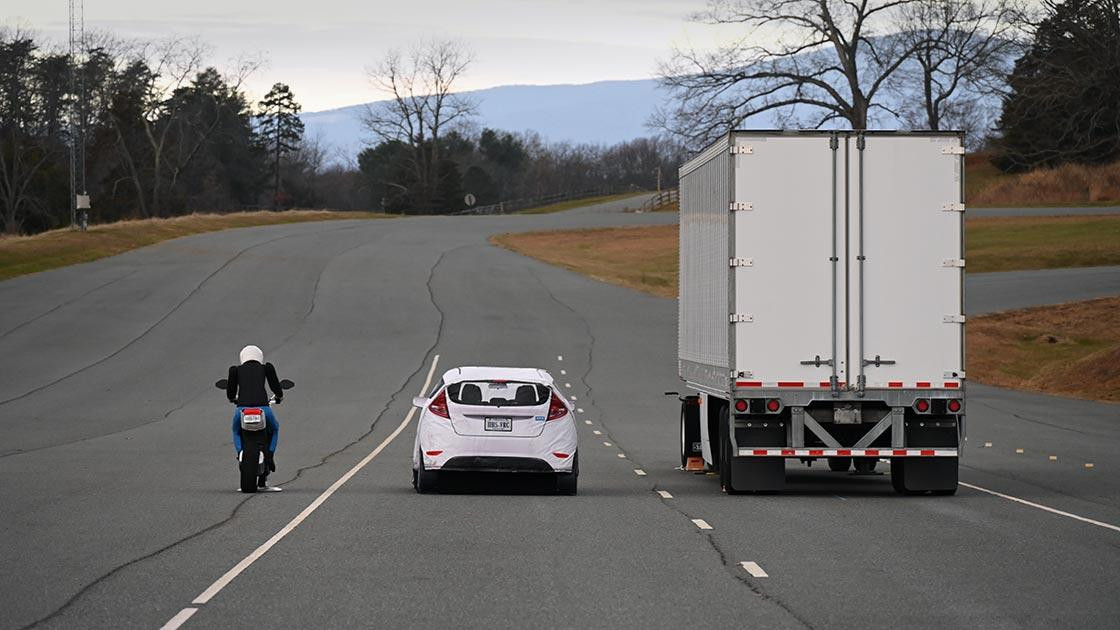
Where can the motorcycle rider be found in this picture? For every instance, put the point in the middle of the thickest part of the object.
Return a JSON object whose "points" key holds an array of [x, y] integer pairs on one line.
{"points": [[246, 388]]}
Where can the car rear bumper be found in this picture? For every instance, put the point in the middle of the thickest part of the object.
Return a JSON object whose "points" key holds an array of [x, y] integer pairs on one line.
{"points": [[490, 463]]}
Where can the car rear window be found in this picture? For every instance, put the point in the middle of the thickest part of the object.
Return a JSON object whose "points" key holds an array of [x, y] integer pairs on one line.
{"points": [[498, 393]]}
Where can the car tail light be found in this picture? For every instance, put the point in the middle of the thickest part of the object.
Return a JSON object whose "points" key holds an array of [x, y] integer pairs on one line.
{"points": [[438, 406], [773, 405], [433, 453], [556, 408], [741, 405], [921, 405], [954, 406], [560, 455]]}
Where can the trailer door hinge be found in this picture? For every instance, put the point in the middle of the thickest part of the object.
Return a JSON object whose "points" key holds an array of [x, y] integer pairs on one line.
{"points": [[953, 373], [741, 149], [741, 205], [737, 318], [741, 262], [952, 150], [953, 319], [952, 262], [952, 207]]}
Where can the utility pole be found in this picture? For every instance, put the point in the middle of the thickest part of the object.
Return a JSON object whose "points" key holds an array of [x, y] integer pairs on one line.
{"points": [[79, 198]]}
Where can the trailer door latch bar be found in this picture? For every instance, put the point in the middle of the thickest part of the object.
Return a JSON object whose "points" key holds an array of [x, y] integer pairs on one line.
{"points": [[817, 361], [878, 361]]}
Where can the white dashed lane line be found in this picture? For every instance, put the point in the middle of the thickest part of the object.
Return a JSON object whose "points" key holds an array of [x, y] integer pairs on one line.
{"points": [[664, 494], [622, 455], [701, 523], [597, 432], [179, 619], [639, 472], [587, 422], [754, 569], [607, 444]]}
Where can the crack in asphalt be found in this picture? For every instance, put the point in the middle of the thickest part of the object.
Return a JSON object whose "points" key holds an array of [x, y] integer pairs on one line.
{"points": [[732, 569], [233, 514], [168, 314], [67, 303]]}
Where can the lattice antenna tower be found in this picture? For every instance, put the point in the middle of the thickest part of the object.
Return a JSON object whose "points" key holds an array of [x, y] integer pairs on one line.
{"points": [[77, 108]]}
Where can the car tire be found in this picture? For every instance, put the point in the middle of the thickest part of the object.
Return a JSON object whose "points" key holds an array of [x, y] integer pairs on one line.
{"points": [[839, 464], [567, 483], [426, 480]]}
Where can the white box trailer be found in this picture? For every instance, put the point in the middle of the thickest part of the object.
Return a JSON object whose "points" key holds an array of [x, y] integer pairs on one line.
{"points": [[821, 305]]}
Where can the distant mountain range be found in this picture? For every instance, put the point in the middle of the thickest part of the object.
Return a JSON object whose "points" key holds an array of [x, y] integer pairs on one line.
{"points": [[606, 112]]}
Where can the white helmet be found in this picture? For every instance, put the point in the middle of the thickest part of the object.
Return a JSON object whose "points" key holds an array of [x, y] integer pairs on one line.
{"points": [[251, 353]]}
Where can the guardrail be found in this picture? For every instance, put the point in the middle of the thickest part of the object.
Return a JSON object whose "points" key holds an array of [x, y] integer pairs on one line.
{"points": [[660, 200], [513, 205]]}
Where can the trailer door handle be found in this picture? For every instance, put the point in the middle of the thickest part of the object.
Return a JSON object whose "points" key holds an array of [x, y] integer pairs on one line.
{"points": [[878, 361], [817, 361]]}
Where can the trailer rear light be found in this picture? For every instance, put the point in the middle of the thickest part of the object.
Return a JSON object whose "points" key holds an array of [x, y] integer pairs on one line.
{"points": [[773, 405], [556, 408], [954, 406], [741, 405], [921, 405], [439, 406]]}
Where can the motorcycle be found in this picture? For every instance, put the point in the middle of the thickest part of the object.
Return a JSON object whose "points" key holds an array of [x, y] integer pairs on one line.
{"points": [[254, 461]]}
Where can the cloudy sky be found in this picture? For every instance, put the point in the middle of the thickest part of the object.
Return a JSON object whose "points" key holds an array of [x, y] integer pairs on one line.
{"points": [[321, 48]]}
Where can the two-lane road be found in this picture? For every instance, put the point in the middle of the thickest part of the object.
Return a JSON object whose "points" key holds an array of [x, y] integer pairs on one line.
{"points": [[117, 477]]}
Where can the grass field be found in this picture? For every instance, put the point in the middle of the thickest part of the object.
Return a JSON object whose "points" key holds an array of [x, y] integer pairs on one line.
{"points": [[578, 203], [1067, 185], [1012, 243], [1068, 349], [29, 254]]}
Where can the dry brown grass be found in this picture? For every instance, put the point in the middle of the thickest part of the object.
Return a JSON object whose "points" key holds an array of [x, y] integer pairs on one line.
{"points": [[28, 254], [643, 258], [1013, 243], [1067, 349], [1069, 184]]}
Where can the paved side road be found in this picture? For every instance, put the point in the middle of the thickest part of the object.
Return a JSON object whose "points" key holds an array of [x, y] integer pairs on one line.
{"points": [[118, 475]]}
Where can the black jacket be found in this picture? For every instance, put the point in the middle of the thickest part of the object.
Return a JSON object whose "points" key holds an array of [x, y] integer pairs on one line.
{"points": [[246, 384]]}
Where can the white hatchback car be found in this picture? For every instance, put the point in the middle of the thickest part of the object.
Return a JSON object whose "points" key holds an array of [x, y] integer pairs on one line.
{"points": [[495, 419]]}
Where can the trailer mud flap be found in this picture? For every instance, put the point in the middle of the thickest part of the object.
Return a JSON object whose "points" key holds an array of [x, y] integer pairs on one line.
{"points": [[754, 474], [927, 474]]}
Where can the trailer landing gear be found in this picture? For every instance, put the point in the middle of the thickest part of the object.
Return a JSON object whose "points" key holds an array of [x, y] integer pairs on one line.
{"points": [[937, 475]]}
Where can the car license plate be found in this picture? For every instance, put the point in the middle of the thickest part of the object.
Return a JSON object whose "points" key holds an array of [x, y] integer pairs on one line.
{"points": [[499, 424]]}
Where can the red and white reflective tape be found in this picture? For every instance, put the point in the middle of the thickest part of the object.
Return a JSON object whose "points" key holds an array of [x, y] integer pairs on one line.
{"points": [[847, 452], [827, 385]]}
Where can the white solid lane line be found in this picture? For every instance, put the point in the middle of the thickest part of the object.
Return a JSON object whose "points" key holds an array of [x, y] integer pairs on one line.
{"points": [[701, 523], [664, 494], [1044, 508], [179, 619], [223, 581], [754, 569]]}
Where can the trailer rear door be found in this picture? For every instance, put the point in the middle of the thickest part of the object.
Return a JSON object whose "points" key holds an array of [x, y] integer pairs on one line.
{"points": [[906, 298], [787, 258]]}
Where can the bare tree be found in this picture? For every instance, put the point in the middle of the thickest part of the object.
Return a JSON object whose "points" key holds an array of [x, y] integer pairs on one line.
{"points": [[963, 52], [422, 106], [830, 56]]}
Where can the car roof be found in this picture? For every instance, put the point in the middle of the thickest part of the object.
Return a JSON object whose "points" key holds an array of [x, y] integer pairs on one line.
{"points": [[483, 373]]}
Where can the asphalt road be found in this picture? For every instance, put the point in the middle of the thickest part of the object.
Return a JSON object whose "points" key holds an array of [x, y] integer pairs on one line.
{"points": [[117, 476]]}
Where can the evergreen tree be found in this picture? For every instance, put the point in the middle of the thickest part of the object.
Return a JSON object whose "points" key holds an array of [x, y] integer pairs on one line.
{"points": [[1064, 104], [280, 129]]}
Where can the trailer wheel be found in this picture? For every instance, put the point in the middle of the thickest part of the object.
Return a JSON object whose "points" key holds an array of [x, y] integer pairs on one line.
{"points": [[866, 465], [839, 464]]}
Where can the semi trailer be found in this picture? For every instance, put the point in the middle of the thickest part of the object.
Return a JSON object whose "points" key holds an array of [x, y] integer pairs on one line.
{"points": [[821, 310]]}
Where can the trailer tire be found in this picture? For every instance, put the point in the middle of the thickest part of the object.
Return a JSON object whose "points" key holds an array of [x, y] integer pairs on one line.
{"points": [[865, 465], [690, 428], [839, 464]]}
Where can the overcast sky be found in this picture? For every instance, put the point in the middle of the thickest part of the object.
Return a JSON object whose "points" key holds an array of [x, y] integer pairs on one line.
{"points": [[321, 48]]}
